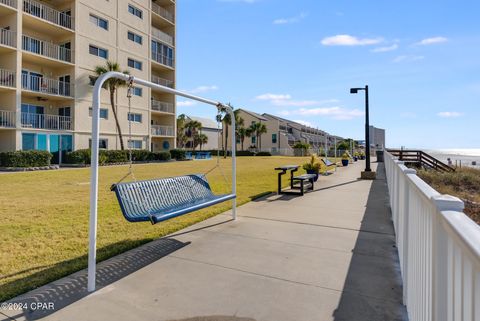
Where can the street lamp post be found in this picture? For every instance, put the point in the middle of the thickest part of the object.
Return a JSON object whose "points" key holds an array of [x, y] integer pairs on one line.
{"points": [[367, 126]]}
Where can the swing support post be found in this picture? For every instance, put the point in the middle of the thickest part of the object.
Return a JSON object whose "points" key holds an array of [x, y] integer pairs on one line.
{"points": [[95, 151]]}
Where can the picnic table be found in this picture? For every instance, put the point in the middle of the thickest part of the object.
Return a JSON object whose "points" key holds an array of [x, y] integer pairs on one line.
{"points": [[283, 170]]}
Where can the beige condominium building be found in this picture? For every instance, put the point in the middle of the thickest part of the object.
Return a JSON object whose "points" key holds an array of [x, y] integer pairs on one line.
{"points": [[282, 134], [48, 53]]}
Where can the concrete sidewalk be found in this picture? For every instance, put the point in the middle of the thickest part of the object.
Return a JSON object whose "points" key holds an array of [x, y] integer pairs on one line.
{"points": [[329, 255]]}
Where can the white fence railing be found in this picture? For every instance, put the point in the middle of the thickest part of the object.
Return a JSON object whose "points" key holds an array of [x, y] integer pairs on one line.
{"points": [[10, 3], [162, 36], [162, 81], [45, 121], [162, 12], [7, 78], [46, 49], [7, 119], [160, 130], [438, 248], [162, 59], [44, 12], [8, 38], [162, 106], [47, 85]]}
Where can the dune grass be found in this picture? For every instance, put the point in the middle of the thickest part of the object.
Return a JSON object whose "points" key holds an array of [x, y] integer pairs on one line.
{"points": [[44, 215]]}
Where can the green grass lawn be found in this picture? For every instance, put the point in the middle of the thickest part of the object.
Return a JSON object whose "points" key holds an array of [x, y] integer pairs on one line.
{"points": [[44, 215]]}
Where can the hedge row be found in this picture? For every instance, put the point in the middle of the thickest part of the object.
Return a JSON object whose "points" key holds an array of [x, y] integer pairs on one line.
{"points": [[27, 158], [82, 156]]}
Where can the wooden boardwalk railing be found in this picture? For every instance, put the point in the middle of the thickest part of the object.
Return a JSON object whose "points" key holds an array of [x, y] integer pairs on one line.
{"points": [[420, 158]]}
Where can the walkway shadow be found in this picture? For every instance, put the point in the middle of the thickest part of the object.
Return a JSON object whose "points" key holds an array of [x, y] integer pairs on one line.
{"points": [[72, 288], [373, 286]]}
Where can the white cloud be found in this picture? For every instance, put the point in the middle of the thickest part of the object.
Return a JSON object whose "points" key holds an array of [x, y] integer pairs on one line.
{"points": [[186, 103], [269, 96], [347, 40], [407, 58], [283, 21], [431, 41], [338, 113], [304, 122], [385, 49], [203, 89], [449, 114]]}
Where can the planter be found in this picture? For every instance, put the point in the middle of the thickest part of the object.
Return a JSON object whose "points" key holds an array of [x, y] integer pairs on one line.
{"points": [[310, 171], [362, 157], [344, 162], [355, 158]]}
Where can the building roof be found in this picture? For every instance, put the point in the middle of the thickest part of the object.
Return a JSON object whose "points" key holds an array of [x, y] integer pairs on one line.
{"points": [[251, 113], [206, 122]]}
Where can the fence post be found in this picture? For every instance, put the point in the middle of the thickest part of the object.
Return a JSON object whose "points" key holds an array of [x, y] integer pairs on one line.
{"points": [[440, 260]]}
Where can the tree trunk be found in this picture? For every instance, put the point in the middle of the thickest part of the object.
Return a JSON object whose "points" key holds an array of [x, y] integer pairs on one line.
{"points": [[243, 140], [226, 141], [119, 129]]}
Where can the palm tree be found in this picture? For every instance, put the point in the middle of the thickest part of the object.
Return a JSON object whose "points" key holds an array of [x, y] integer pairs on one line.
{"points": [[201, 139], [181, 137], [192, 128], [257, 130], [112, 85], [242, 133], [227, 121]]}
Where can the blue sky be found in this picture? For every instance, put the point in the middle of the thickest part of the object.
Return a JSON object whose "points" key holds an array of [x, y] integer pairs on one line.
{"points": [[298, 59]]}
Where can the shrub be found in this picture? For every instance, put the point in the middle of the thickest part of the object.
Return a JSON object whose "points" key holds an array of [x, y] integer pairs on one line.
{"points": [[178, 154], [141, 155], [161, 156], [301, 145], [81, 156], [115, 156], [245, 153], [29, 158], [263, 154]]}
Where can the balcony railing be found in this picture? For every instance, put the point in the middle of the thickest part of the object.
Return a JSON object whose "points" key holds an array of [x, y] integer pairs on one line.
{"points": [[46, 49], [10, 3], [159, 130], [162, 12], [8, 38], [7, 119], [44, 12], [161, 81], [47, 86], [162, 59], [162, 106], [162, 36], [42, 121], [7, 78]]}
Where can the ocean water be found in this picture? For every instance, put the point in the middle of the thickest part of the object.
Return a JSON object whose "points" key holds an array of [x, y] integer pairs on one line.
{"points": [[465, 157]]}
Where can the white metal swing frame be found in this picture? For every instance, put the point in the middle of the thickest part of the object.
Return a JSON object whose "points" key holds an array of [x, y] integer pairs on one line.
{"points": [[92, 251]]}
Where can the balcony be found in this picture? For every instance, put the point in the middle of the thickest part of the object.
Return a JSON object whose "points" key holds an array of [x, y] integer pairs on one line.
{"points": [[47, 49], [10, 3], [8, 38], [7, 119], [42, 121], [162, 36], [47, 86], [162, 59], [162, 106], [7, 78], [48, 14], [162, 82], [162, 12], [160, 130]]}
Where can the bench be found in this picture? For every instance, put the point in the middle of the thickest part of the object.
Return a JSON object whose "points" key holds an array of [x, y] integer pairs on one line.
{"points": [[161, 199], [203, 155], [188, 155], [330, 165], [310, 178]]}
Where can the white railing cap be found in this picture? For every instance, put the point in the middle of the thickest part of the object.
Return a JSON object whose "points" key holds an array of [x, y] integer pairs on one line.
{"points": [[406, 169], [448, 203], [465, 229]]}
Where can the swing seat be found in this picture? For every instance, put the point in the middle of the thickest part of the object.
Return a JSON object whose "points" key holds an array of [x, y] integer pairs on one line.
{"points": [[161, 199]]}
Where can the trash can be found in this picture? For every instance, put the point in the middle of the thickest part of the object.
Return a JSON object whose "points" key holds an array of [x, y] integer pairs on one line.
{"points": [[379, 156]]}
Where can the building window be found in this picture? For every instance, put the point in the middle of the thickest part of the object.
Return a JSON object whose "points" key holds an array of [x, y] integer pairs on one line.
{"points": [[134, 37], [28, 141], [274, 138], [254, 140], [99, 22], [135, 11], [64, 111], [135, 144], [102, 143], [103, 112], [137, 91], [136, 118], [99, 52], [134, 64]]}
